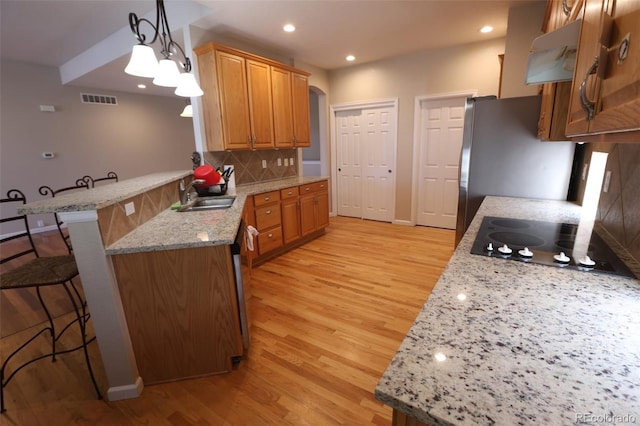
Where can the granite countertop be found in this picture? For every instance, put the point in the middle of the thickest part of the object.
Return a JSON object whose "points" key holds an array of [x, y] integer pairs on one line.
{"points": [[178, 230], [102, 196], [503, 342]]}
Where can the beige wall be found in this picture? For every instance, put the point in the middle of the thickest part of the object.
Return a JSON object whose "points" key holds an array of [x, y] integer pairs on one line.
{"points": [[469, 67], [141, 135]]}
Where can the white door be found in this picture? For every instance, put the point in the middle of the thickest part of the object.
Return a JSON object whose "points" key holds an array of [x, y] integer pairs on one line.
{"points": [[439, 143], [349, 141], [366, 145]]}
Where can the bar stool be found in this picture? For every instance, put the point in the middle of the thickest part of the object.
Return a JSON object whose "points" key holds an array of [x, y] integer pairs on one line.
{"points": [[91, 182], [37, 273], [46, 190]]}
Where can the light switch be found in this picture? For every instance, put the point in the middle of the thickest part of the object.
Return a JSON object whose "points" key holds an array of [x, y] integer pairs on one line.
{"points": [[286, 162], [279, 161], [264, 164]]}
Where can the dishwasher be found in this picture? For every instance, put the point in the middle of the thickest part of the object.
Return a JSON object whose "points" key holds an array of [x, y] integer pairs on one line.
{"points": [[236, 256]]}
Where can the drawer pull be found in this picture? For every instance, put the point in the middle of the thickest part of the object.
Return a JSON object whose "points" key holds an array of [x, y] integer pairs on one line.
{"points": [[270, 235], [322, 186], [267, 198], [588, 105], [307, 189], [289, 193], [267, 212]]}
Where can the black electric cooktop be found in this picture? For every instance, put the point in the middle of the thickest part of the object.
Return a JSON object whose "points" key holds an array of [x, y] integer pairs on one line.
{"points": [[532, 241]]}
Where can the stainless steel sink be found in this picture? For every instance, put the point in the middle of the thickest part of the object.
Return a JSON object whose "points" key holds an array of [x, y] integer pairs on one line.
{"points": [[208, 203]]}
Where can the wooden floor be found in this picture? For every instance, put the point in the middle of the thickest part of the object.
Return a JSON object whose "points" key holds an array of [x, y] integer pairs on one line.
{"points": [[327, 319]]}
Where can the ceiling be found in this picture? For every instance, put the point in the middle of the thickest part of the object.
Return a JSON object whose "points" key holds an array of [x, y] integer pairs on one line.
{"points": [[90, 40]]}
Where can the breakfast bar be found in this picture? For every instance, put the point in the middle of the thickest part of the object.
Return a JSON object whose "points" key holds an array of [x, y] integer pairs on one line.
{"points": [[118, 231], [505, 342]]}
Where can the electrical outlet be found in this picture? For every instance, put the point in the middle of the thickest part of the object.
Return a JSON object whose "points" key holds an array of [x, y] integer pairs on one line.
{"points": [[585, 169], [129, 209], [291, 161], [286, 162], [264, 164], [607, 181], [280, 162]]}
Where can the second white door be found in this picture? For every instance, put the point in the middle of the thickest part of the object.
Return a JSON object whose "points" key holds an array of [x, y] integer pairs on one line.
{"points": [[439, 142], [366, 146]]}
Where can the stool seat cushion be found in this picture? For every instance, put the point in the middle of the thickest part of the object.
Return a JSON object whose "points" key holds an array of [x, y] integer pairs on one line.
{"points": [[40, 271]]}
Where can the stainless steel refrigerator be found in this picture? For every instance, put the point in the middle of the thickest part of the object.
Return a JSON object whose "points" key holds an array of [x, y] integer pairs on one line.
{"points": [[501, 155]]}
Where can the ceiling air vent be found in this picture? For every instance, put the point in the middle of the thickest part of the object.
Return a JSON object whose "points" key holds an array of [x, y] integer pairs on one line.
{"points": [[92, 98]]}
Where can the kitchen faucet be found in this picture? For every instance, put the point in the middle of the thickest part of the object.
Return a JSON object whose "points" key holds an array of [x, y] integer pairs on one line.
{"points": [[185, 191]]}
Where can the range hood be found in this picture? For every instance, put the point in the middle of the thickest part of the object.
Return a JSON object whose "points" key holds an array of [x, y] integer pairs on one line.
{"points": [[552, 57]]}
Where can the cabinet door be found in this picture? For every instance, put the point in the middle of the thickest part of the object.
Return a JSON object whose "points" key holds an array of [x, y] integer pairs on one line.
{"points": [[588, 50], [260, 109], [300, 101], [290, 221], [322, 210], [234, 101], [282, 110], [619, 102], [307, 214]]}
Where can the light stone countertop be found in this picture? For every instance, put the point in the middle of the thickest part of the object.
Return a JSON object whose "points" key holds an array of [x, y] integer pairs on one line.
{"points": [[169, 229], [527, 344], [102, 196]]}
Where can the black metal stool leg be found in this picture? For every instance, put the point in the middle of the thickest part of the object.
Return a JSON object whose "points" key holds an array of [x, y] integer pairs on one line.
{"points": [[52, 327], [82, 320]]}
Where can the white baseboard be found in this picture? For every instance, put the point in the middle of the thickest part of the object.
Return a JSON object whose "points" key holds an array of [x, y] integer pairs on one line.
{"points": [[403, 222], [117, 393], [33, 231]]}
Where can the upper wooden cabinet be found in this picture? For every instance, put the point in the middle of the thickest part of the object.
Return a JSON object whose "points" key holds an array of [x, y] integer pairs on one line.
{"points": [[300, 101], [251, 102], [605, 95], [290, 108]]}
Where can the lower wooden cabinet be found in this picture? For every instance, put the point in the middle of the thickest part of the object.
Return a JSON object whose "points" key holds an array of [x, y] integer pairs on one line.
{"points": [[314, 207], [288, 217], [268, 219]]}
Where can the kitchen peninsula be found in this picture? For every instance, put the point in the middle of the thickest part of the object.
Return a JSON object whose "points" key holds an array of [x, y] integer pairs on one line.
{"points": [[504, 342], [121, 229]]}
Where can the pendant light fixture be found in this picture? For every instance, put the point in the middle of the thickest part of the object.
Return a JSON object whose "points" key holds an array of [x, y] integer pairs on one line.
{"points": [[187, 111], [143, 62]]}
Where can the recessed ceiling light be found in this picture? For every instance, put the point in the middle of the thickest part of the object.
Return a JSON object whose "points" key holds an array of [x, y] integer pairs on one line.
{"points": [[142, 86], [486, 29], [350, 58], [289, 28]]}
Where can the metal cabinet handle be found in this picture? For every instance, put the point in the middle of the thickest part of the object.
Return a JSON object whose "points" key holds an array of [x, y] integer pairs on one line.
{"points": [[267, 198], [267, 212], [270, 235], [565, 8], [289, 193], [307, 189], [587, 105]]}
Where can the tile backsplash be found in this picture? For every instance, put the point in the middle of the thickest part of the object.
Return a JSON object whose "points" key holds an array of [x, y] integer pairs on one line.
{"points": [[619, 207], [248, 165]]}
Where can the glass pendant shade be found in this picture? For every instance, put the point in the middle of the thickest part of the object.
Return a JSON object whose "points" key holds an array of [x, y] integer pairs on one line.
{"points": [[188, 86], [187, 111], [168, 74], [143, 62]]}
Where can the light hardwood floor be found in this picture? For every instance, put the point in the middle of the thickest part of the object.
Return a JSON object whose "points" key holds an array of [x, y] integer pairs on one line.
{"points": [[327, 319]]}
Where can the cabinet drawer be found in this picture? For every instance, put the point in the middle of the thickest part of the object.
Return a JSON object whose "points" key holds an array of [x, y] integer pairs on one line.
{"points": [[313, 187], [267, 216], [270, 240], [288, 193], [266, 198]]}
